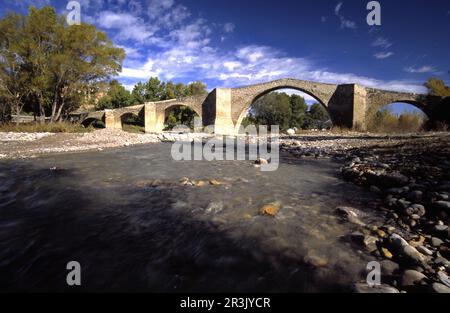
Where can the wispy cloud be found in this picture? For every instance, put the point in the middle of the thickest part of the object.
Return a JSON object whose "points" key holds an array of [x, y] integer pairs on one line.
{"points": [[422, 69], [383, 55], [168, 42], [229, 27], [345, 23], [382, 42]]}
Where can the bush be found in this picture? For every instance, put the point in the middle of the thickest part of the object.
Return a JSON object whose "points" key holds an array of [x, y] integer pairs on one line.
{"points": [[386, 121]]}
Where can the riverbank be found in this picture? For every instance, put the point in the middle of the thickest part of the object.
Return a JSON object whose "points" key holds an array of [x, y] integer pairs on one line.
{"points": [[411, 177], [30, 145]]}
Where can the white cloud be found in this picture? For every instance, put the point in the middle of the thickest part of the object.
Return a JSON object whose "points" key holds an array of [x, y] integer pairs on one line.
{"points": [[422, 69], [131, 52], [127, 25], [184, 52], [323, 19], [382, 42], [228, 27], [383, 55], [345, 23]]}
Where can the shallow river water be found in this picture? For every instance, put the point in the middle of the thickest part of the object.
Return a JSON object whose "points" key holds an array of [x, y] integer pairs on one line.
{"points": [[95, 209]]}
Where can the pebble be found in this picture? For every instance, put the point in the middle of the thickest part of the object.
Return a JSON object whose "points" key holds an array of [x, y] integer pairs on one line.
{"points": [[443, 205], [424, 250], [436, 242], [411, 278], [270, 209], [349, 214], [440, 288], [444, 278], [214, 207], [316, 261], [386, 253], [389, 267], [365, 288]]}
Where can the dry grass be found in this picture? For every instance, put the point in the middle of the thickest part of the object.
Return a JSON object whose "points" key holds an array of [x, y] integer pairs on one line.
{"points": [[60, 127], [388, 122]]}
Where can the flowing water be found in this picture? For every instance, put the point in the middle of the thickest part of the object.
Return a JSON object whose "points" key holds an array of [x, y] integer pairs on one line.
{"points": [[96, 208]]}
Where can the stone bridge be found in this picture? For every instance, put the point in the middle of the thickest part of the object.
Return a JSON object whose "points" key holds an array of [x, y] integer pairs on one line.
{"points": [[349, 105]]}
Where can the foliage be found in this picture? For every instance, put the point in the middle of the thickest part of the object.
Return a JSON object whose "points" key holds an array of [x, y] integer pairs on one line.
{"points": [[46, 66], [155, 90], [386, 121], [437, 87], [116, 97], [286, 111]]}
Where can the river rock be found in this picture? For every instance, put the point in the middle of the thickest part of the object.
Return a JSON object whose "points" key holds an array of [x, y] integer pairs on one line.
{"points": [[441, 261], [436, 242], [392, 180], [413, 255], [349, 214], [315, 261], [386, 253], [214, 207], [442, 205], [365, 288], [290, 132], [440, 288], [415, 195], [444, 278], [260, 161], [397, 241], [270, 209], [406, 250], [441, 231], [424, 250], [411, 278], [418, 209], [389, 267]]}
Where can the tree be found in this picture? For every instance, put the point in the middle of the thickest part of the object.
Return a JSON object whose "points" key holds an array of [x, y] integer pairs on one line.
{"points": [[138, 93], [59, 62], [196, 88], [437, 87], [298, 109], [273, 109], [13, 80], [116, 97]]}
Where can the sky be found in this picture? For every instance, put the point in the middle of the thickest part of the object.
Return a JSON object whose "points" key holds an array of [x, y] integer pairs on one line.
{"points": [[230, 43]]}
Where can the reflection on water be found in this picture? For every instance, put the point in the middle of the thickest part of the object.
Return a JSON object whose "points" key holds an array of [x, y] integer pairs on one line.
{"points": [[95, 210]]}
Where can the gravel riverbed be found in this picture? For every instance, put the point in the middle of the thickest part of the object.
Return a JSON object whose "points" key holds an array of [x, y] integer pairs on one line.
{"points": [[410, 174]]}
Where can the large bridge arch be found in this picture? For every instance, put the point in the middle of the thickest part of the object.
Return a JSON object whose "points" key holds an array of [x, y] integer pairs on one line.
{"points": [[253, 98], [243, 97], [377, 99]]}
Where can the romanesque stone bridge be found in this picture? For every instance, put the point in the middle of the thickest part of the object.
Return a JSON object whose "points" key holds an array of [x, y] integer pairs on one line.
{"points": [[349, 105]]}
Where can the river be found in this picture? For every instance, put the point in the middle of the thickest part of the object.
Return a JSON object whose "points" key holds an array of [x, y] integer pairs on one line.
{"points": [[97, 208]]}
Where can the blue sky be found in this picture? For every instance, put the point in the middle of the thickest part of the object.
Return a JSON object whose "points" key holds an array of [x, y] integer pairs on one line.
{"points": [[228, 43]]}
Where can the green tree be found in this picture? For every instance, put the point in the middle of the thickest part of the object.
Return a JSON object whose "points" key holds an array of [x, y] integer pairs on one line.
{"points": [[116, 97], [298, 109], [273, 109], [59, 61], [196, 88], [13, 80]]}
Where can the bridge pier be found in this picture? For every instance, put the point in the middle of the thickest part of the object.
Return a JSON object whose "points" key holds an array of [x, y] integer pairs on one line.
{"points": [[223, 123], [153, 118], [111, 120]]}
